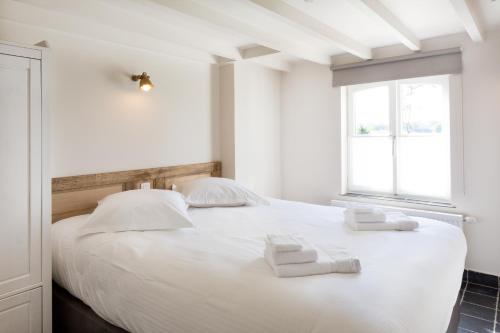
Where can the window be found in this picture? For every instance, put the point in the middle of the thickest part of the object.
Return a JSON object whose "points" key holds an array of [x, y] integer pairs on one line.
{"points": [[398, 139]]}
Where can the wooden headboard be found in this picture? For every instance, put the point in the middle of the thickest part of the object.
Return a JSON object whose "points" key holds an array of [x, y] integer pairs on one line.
{"points": [[79, 195]]}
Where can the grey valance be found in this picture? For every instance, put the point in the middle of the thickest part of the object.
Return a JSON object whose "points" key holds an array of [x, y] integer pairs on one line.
{"points": [[439, 62]]}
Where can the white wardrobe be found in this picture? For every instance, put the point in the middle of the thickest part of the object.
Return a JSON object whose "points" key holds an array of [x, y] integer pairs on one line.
{"points": [[25, 267]]}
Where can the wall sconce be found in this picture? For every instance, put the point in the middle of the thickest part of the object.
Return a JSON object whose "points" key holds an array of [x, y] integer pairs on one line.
{"points": [[144, 82]]}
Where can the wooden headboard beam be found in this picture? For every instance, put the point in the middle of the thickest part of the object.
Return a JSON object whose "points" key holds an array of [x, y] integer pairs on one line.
{"points": [[122, 177], [78, 195]]}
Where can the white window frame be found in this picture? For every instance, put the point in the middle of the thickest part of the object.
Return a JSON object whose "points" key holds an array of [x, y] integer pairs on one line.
{"points": [[456, 149]]}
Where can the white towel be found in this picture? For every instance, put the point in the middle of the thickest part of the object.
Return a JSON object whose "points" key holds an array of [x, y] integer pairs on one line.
{"points": [[394, 221], [324, 265], [376, 216], [284, 243], [307, 254], [361, 209], [407, 222]]}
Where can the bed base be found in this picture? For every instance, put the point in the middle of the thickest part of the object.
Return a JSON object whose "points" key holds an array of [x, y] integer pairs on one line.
{"points": [[71, 315], [455, 317]]}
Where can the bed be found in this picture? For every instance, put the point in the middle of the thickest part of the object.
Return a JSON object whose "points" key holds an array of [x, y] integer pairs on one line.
{"points": [[212, 278]]}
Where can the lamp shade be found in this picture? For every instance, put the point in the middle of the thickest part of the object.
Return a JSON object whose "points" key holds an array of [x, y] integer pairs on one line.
{"points": [[144, 81]]}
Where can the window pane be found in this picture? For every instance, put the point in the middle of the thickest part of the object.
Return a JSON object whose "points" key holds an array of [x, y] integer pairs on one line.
{"points": [[371, 111], [423, 108], [371, 164], [424, 166]]}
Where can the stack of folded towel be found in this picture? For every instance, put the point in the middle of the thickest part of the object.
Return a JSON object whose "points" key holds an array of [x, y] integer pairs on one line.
{"points": [[292, 256], [365, 218]]}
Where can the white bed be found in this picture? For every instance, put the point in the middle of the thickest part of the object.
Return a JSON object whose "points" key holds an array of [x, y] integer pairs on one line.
{"points": [[212, 278]]}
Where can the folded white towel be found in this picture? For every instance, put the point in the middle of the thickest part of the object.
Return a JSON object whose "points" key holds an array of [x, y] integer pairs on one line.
{"points": [[376, 215], [324, 265], [398, 216], [394, 221], [361, 209], [284, 243], [307, 254], [384, 226]]}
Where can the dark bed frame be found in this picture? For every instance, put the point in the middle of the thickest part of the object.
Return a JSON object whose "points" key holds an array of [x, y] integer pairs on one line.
{"points": [[70, 315]]}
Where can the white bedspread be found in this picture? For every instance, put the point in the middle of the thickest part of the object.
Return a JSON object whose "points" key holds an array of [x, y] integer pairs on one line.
{"points": [[213, 278]]}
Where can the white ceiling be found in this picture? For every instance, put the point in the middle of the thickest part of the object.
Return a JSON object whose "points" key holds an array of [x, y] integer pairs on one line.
{"points": [[211, 30], [489, 13]]}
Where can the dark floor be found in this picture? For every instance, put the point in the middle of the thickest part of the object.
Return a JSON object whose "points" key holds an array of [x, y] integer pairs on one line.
{"points": [[479, 308]]}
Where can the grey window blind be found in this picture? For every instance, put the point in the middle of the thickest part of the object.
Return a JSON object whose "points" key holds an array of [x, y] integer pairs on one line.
{"points": [[448, 61]]}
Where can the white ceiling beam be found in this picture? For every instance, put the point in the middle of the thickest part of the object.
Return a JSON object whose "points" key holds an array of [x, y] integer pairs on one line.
{"points": [[267, 62], [231, 24], [223, 60], [271, 62], [310, 23], [465, 11], [256, 51], [376, 10], [58, 22], [261, 55], [110, 14]]}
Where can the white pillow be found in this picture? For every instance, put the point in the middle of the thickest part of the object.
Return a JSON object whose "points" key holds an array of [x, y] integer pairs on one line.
{"points": [[218, 192], [138, 210]]}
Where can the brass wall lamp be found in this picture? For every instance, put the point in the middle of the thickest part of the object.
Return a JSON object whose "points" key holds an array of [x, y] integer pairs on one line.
{"points": [[144, 82]]}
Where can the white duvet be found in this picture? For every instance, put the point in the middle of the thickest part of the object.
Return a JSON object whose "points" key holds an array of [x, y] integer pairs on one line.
{"points": [[213, 278]]}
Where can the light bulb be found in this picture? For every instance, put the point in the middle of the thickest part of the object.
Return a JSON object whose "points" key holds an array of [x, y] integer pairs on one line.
{"points": [[146, 87]]}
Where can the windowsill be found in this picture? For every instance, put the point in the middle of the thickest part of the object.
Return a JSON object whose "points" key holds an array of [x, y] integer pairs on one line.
{"points": [[400, 200]]}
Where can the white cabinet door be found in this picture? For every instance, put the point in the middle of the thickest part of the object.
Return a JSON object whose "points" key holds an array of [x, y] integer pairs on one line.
{"points": [[20, 173], [22, 313]]}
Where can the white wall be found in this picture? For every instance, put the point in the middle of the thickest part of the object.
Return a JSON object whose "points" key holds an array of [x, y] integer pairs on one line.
{"points": [[257, 128], [311, 141], [481, 108], [227, 108], [250, 109], [310, 127], [101, 121]]}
